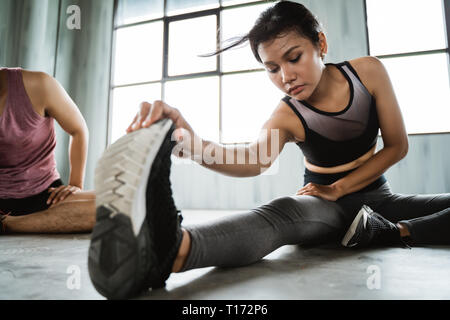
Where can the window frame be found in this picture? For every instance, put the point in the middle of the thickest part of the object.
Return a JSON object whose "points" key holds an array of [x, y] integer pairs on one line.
{"points": [[165, 76], [446, 16]]}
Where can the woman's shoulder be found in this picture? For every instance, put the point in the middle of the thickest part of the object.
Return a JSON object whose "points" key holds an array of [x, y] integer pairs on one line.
{"points": [[365, 62], [284, 118], [35, 78], [36, 86], [367, 68]]}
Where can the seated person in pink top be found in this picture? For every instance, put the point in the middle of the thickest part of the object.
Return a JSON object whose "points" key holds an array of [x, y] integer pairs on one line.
{"points": [[33, 199]]}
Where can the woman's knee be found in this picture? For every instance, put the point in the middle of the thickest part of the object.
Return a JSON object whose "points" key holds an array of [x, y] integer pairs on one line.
{"points": [[308, 209], [305, 219], [287, 207], [283, 202]]}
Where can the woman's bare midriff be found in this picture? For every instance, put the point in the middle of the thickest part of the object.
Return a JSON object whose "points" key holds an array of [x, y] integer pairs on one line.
{"points": [[344, 167]]}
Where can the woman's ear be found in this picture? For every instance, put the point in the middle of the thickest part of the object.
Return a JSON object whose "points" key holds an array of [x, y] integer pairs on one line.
{"points": [[323, 45]]}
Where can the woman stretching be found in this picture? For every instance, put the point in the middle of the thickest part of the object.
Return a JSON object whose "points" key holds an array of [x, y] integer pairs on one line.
{"points": [[333, 112], [33, 199]]}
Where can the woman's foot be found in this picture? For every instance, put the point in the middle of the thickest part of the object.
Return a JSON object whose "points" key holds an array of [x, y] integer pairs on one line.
{"points": [[371, 229], [137, 236]]}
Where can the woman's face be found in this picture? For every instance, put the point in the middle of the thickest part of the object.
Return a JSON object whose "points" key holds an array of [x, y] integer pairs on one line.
{"points": [[293, 63]]}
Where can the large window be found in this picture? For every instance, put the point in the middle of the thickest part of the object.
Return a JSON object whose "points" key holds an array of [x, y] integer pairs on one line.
{"points": [[410, 38], [227, 98], [157, 45]]}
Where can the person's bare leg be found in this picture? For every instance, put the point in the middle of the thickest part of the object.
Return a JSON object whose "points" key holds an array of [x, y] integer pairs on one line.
{"points": [[74, 214], [183, 252], [404, 232], [80, 196]]}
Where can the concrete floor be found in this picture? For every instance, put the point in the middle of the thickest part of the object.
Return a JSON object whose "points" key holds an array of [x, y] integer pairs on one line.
{"points": [[47, 266]]}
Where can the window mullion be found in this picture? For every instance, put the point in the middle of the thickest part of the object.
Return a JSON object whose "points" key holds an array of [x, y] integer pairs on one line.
{"points": [[165, 56], [112, 64], [165, 51], [219, 66], [367, 27], [409, 54], [446, 9]]}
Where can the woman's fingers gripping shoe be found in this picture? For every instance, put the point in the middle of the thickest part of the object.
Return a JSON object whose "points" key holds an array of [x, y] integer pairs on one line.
{"points": [[141, 115]]}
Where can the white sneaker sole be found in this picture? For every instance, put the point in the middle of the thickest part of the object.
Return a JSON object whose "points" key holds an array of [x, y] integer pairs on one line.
{"points": [[122, 172], [362, 214]]}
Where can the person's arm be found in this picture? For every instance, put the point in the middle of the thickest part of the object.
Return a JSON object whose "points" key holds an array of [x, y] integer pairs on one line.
{"points": [[246, 160], [395, 138], [61, 107]]}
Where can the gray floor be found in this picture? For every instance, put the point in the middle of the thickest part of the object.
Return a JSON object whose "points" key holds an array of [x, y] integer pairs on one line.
{"points": [[48, 266]]}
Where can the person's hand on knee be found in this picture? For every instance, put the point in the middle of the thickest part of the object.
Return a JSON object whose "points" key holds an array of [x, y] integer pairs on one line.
{"points": [[60, 193]]}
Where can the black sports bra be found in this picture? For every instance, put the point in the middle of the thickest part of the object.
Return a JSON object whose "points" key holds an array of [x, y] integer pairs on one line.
{"points": [[336, 138]]}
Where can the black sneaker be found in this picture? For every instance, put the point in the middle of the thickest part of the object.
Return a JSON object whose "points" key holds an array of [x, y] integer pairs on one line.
{"points": [[138, 230], [371, 229]]}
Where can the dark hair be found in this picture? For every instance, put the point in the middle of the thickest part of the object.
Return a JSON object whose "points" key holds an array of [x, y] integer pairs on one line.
{"points": [[277, 20]]}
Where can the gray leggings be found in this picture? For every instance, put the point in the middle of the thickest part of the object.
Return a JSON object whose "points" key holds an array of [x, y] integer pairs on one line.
{"points": [[245, 238]]}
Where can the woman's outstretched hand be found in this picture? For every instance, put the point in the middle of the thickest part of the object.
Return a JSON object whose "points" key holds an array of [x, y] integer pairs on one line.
{"points": [[184, 135], [150, 113], [327, 192]]}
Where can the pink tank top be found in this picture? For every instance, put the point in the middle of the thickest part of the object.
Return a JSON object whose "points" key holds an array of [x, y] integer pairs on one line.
{"points": [[27, 144]]}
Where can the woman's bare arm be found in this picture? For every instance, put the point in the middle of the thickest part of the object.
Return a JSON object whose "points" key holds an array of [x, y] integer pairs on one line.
{"points": [[233, 160], [61, 107], [393, 132]]}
